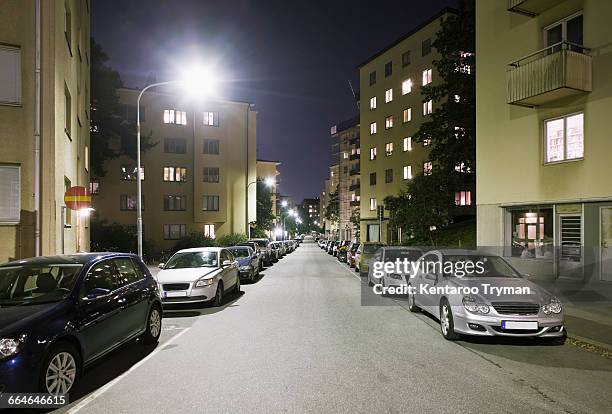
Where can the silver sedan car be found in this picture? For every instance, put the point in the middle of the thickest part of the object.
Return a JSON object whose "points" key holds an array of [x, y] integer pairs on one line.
{"points": [[476, 293]]}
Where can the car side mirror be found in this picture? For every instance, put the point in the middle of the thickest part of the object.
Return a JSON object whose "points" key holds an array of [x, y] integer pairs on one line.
{"points": [[161, 265], [226, 263], [97, 292]]}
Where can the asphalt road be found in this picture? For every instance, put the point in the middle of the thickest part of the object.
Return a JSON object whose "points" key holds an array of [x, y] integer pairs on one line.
{"points": [[298, 340]]}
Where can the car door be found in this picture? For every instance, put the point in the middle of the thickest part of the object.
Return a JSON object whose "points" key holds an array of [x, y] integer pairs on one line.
{"points": [[99, 318], [133, 296], [431, 276], [226, 274]]}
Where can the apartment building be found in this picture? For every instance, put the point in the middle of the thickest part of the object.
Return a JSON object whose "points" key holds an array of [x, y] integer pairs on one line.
{"points": [[347, 151], [543, 105], [197, 176], [330, 227], [309, 208], [44, 125], [267, 171], [392, 110]]}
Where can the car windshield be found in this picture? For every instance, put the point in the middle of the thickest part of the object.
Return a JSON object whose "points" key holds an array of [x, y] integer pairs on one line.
{"points": [[240, 252], [188, 260], [354, 247], [28, 284], [484, 266], [371, 248], [411, 255], [261, 243]]}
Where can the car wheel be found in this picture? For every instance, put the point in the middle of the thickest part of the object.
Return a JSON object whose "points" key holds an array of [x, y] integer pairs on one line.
{"points": [[252, 276], [218, 300], [412, 307], [61, 369], [370, 283], [237, 286], [154, 323], [447, 325]]}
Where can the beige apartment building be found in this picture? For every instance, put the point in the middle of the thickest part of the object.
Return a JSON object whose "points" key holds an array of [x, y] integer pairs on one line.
{"points": [[44, 125], [544, 102], [392, 110], [268, 170], [330, 228], [197, 178]]}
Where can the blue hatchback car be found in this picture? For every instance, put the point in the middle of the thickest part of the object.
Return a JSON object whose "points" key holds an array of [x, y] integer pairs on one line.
{"points": [[60, 313]]}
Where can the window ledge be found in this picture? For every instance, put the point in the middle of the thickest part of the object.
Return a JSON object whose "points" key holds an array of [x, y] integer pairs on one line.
{"points": [[564, 161], [10, 223]]}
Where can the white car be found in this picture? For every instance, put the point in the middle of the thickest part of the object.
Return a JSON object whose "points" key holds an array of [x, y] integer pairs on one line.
{"points": [[195, 275]]}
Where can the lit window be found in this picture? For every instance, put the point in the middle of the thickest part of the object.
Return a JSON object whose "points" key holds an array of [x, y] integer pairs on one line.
{"points": [[373, 103], [209, 230], [407, 172], [333, 130], [373, 153], [388, 95], [427, 107], [459, 132], [406, 86], [564, 138], [345, 155], [373, 128], [427, 76], [211, 118], [67, 111], [427, 168], [128, 173], [10, 74], [389, 149], [463, 198], [407, 115], [172, 116], [86, 157], [389, 122], [372, 204], [407, 144], [457, 98], [177, 174], [94, 186], [427, 142], [532, 233], [462, 168]]}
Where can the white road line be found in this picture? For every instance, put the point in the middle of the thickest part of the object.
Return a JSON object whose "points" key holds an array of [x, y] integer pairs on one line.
{"points": [[110, 384]]}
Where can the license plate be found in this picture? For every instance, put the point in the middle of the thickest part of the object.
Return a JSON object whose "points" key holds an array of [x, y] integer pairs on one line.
{"points": [[519, 325], [176, 294]]}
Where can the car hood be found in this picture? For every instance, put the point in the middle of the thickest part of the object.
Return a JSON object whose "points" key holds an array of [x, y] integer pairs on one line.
{"points": [[536, 295], [13, 318], [185, 275]]}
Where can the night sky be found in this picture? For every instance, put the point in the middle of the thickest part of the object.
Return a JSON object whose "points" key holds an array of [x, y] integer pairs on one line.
{"points": [[291, 59]]}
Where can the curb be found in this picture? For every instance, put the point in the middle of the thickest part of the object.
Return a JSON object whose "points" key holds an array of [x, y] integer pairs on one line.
{"points": [[604, 350]]}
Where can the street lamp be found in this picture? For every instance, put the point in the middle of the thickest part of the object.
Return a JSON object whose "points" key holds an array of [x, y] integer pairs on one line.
{"points": [[194, 81], [268, 182]]}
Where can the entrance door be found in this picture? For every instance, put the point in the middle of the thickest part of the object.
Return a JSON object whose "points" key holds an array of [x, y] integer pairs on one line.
{"points": [[606, 244]]}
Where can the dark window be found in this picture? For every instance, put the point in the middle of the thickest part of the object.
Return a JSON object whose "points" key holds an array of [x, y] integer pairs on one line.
{"points": [[129, 112], [372, 78], [211, 146], [175, 145], [174, 202], [388, 69], [426, 47], [127, 271], [406, 58], [129, 202], [210, 203], [372, 178], [211, 174], [174, 231], [389, 176]]}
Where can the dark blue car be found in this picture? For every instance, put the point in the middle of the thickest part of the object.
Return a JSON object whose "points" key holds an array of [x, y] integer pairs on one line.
{"points": [[248, 262], [60, 313]]}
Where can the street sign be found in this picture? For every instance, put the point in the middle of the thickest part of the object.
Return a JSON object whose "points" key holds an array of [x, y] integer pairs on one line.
{"points": [[77, 198]]}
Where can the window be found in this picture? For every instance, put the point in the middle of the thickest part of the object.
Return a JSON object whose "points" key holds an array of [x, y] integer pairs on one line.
{"points": [[101, 276], [129, 112], [564, 138], [457, 98], [427, 142], [427, 107], [10, 75], [427, 168], [407, 172], [373, 128], [94, 187], [68, 26], [463, 198], [178, 174], [128, 273], [175, 145], [211, 174], [388, 69], [373, 103], [373, 153], [462, 168], [427, 77], [372, 78], [209, 230], [406, 86], [372, 204], [389, 122], [566, 30], [211, 146], [426, 47], [407, 115], [211, 118], [388, 95], [10, 197], [129, 202], [389, 149], [407, 144], [175, 202], [174, 231], [172, 116], [373, 178], [210, 203], [406, 58], [531, 233], [334, 130], [86, 157], [388, 175], [67, 111], [128, 173]]}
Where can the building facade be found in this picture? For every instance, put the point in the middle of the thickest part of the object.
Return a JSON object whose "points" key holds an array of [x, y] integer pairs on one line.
{"points": [[330, 227], [392, 110], [196, 179], [309, 208], [543, 144], [44, 125], [268, 170]]}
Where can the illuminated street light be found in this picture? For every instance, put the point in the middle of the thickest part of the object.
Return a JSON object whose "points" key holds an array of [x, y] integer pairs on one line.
{"points": [[284, 203], [269, 182]]}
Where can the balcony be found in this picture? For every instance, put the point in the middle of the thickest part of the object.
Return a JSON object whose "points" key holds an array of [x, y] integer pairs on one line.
{"points": [[354, 187], [354, 171], [530, 7], [353, 157], [355, 203], [558, 71]]}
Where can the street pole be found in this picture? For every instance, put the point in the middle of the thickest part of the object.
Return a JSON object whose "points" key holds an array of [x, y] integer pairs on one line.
{"points": [[247, 197]]}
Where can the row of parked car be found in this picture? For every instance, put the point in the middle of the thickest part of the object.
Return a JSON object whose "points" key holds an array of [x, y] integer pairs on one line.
{"points": [[507, 304], [60, 313]]}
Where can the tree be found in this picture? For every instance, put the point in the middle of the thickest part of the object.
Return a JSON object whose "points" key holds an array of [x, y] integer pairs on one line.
{"points": [[231, 239], [194, 239], [111, 133], [332, 210], [265, 217], [356, 222]]}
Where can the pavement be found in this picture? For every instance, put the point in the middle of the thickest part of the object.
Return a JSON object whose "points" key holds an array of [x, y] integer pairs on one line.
{"points": [[299, 340]]}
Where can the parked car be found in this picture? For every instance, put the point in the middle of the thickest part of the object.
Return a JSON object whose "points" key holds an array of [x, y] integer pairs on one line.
{"points": [[60, 313], [264, 245], [330, 247], [277, 252], [201, 274], [534, 314], [364, 255], [248, 262], [288, 246], [342, 250], [350, 255], [258, 251], [391, 254]]}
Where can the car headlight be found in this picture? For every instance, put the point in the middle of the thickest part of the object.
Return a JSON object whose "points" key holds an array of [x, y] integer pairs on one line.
{"points": [[204, 282], [554, 306], [10, 346], [471, 305], [395, 276]]}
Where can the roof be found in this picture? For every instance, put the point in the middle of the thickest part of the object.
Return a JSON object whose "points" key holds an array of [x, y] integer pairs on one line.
{"points": [[410, 33], [271, 161], [77, 258], [346, 124]]}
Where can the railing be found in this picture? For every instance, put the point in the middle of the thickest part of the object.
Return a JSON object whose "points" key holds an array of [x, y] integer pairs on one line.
{"points": [[354, 157], [551, 73], [354, 187], [354, 171], [355, 203], [530, 7]]}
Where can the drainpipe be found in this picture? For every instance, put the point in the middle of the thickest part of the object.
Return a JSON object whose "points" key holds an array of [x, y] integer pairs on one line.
{"points": [[37, 137], [246, 177]]}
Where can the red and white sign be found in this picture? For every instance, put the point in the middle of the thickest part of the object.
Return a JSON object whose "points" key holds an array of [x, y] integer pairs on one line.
{"points": [[77, 198]]}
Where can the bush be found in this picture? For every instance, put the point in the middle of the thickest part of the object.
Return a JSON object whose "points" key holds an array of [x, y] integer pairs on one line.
{"points": [[231, 239], [194, 239]]}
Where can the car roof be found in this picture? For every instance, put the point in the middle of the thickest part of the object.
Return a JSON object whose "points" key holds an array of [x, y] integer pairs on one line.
{"points": [[240, 247], [202, 249], [416, 249], [76, 258], [460, 252]]}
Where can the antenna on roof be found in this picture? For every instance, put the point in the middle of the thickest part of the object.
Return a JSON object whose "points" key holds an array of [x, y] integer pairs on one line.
{"points": [[354, 94]]}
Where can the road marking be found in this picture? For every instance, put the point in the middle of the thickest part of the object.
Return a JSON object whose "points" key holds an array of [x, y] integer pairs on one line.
{"points": [[110, 384]]}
